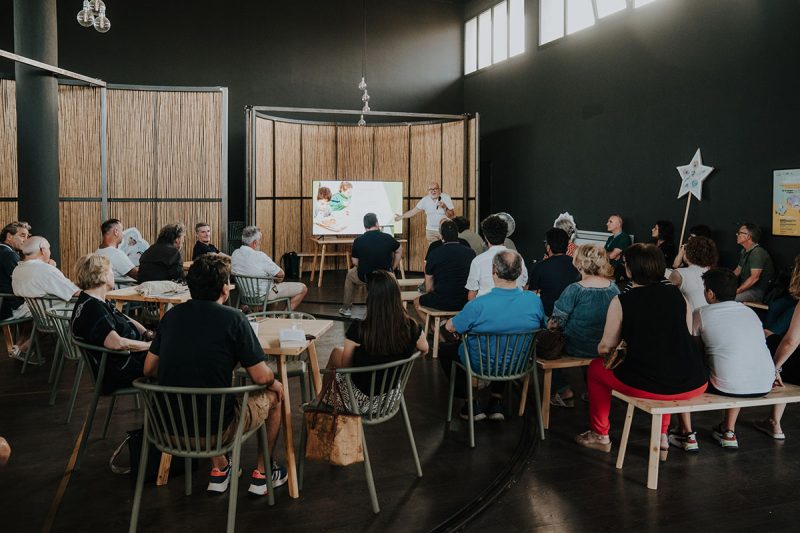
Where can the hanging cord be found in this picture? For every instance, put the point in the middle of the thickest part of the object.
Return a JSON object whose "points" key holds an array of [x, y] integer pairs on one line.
{"points": [[364, 48]]}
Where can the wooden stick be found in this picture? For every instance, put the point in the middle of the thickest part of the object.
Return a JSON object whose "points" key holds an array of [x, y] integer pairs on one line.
{"points": [[685, 217]]}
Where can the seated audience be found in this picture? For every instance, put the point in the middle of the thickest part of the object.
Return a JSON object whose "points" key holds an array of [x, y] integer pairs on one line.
{"points": [[37, 276], [111, 230], [440, 241], [509, 220], [616, 243], [739, 361], [474, 240], [662, 361], [504, 309], [700, 254], [581, 312], [480, 280], [179, 357], [163, 260], [663, 234], [12, 238], [249, 260], [386, 334], [97, 322], [551, 276], [372, 250], [780, 310], [202, 232], [700, 230], [755, 269], [566, 222], [446, 271]]}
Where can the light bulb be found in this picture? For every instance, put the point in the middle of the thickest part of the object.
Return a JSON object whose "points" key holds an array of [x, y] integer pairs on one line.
{"points": [[361, 121], [85, 16], [101, 22], [365, 97], [98, 5], [365, 109], [362, 85]]}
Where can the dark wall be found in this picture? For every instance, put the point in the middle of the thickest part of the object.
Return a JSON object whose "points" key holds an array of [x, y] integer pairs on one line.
{"points": [[597, 122], [300, 53]]}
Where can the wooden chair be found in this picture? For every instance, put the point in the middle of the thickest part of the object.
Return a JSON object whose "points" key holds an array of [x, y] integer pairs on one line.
{"points": [[174, 425], [382, 403], [42, 324], [547, 365], [251, 290], [7, 324], [500, 357], [62, 318], [436, 315]]}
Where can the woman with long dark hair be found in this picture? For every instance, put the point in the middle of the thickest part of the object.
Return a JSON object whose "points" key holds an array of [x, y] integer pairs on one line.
{"points": [[387, 333], [663, 234]]}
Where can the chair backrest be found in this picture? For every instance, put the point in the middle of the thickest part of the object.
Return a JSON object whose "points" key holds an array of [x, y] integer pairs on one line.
{"points": [[505, 356], [189, 422], [253, 290], [386, 385], [291, 315], [95, 357], [39, 307], [62, 319]]}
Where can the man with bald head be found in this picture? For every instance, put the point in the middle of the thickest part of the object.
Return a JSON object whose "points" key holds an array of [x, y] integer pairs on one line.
{"points": [[436, 205]]}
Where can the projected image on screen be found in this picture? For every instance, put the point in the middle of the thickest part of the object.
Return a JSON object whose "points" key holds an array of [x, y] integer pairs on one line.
{"points": [[340, 206]]}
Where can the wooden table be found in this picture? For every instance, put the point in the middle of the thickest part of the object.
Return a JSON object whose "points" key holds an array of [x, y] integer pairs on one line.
{"points": [[268, 331], [323, 242], [187, 265], [129, 294]]}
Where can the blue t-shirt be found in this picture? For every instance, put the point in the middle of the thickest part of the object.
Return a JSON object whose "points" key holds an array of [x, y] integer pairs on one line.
{"points": [[499, 311]]}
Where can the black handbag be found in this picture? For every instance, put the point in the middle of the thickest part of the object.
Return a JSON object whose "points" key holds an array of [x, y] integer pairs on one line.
{"points": [[134, 441], [291, 265]]}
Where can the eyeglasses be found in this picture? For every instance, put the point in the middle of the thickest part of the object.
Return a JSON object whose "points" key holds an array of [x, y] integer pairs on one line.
{"points": [[433, 188], [742, 233]]}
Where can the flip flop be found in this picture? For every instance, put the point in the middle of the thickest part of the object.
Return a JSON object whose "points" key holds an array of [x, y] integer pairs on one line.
{"points": [[765, 426]]}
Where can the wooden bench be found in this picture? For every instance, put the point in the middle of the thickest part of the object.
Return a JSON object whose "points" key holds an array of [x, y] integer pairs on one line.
{"points": [[757, 305], [547, 365], [704, 402], [410, 282], [437, 316], [409, 296]]}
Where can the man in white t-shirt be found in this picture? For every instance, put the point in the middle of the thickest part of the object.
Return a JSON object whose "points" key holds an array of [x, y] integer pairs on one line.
{"points": [[120, 263], [738, 358], [248, 260], [436, 205], [480, 280]]}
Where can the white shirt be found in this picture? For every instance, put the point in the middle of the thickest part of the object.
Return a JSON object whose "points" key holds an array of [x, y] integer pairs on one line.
{"points": [[120, 262], [35, 278], [692, 286], [738, 356], [248, 262], [433, 212], [480, 272]]}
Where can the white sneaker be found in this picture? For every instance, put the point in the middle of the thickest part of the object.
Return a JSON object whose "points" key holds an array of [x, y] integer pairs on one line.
{"points": [[15, 352], [346, 311]]}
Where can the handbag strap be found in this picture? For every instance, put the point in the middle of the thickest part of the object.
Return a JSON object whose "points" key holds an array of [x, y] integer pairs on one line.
{"points": [[111, 462]]}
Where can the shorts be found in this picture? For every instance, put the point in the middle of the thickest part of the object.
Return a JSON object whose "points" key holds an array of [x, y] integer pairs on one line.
{"points": [[259, 404], [286, 289]]}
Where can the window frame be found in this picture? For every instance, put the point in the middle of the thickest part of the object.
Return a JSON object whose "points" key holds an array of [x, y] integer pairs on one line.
{"points": [[476, 18]]}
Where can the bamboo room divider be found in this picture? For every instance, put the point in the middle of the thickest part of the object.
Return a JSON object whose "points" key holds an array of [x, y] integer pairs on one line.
{"points": [[285, 156], [8, 152]]}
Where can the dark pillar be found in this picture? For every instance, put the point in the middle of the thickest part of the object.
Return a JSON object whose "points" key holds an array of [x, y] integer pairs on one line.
{"points": [[36, 37]]}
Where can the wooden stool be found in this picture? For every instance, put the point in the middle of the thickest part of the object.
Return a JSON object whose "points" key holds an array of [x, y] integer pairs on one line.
{"points": [[410, 282], [565, 361], [437, 316], [409, 296]]}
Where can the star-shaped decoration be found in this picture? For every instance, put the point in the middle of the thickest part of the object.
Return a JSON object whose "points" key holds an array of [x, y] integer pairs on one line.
{"points": [[692, 176]]}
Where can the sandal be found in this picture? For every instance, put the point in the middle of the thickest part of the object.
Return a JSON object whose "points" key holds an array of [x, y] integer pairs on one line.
{"points": [[766, 426], [590, 439], [663, 448], [558, 401]]}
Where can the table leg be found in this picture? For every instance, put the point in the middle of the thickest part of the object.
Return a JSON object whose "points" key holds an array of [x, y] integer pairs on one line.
{"points": [[314, 263], [314, 364], [286, 413], [547, 383], [655, 452], [524, 397], [120, 305], [162, 308], [436, 325], [321, 265], [402, 270], [163, 468]]}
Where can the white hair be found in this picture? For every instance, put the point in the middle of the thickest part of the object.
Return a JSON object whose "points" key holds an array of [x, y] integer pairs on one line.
{"points": [[33, 245], [250, 234]]}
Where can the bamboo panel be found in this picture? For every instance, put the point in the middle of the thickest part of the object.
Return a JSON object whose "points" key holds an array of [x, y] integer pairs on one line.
{"points": [[319, 155], [287, 220], [8, 212], [79, 164], [391, 154], [189, 213], [473, 215], [189, 144], [472, 158], [426, 158], [354, 145], [453, 158], [264, 210], [139, 215], [417, 243], [287, 159], [77, 237], [264, 157], [131, 143], [8, 140], [458, 204], [307, 229]]}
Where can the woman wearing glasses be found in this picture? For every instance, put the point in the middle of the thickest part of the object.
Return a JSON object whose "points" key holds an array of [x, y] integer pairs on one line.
{"points": [[436, 205]]}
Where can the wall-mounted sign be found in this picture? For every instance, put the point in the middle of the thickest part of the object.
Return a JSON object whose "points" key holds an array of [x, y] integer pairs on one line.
{"points": [[786, 203]]}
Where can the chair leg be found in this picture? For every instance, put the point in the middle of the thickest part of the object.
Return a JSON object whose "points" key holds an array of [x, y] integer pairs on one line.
{"points": [[56, 358], [436, 324], [410, 436], [75, 386], [452, 392], [108, 415], [302, 453], [34, 344], [470, 409], [537, 400], [137, 494], [233, 490], [303, 391], [136, 402], [626, 431], [655, 452], [58, 366], [547, 383], [187, 472], [373, 495], [523, 399], [88, 429], [263, 446]]}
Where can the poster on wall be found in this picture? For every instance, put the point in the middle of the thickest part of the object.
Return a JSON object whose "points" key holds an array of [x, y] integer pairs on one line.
{"points": [[786, 203]]}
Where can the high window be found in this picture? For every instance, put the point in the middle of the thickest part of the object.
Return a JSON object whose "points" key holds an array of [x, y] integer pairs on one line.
{"points": [[558, 18], [494, 35]]}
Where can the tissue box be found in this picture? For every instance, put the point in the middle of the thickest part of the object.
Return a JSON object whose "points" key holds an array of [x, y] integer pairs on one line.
{"points": [[292, 338]]}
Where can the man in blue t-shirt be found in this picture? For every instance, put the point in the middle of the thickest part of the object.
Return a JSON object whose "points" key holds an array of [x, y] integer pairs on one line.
{"points": [[505, 309]]}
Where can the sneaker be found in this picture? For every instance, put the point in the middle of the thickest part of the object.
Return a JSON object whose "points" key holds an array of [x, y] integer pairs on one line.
{"points": [[35, 359], [346, 311], [279, 475], [15, 352], [477, 411], [495, 412], [258, 484], [725, 437], [687, 441], [219, 480], [559, 401], [766, 426], [590, 439]]}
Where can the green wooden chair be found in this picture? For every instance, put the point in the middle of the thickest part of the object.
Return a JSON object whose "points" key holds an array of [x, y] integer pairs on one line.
{"points": [[42, 325], [500, 357], [62, 319], [385, 399], [7, 324], [174, 425], [296, 365], [253, 292], [97, 376]]}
